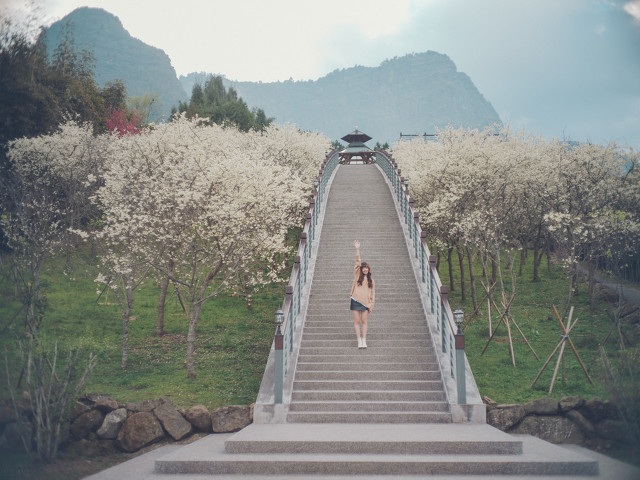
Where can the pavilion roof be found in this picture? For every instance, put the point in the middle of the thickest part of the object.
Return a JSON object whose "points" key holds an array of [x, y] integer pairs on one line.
{"points": [[356, 137]]}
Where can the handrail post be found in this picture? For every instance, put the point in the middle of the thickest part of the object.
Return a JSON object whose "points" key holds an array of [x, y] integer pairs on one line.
{"points": [[444, 299], [460, 367], [279, 365], [423, 254], [416, 239], [409, 210], [432, 269]]}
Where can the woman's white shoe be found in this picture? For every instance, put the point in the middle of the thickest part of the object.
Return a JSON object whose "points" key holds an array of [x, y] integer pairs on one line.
{"points": [[364, 343], [360, 343]]}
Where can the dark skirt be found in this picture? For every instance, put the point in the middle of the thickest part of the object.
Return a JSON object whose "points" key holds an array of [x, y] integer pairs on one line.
{"points": [[356, 305]]}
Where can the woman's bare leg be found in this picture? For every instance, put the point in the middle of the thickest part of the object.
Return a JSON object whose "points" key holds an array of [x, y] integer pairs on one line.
{"points": [[356, 322], [363, 320]]}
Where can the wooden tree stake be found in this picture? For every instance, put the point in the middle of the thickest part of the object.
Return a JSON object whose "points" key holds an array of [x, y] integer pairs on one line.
{"points": [[566, 331], [508, 319]]}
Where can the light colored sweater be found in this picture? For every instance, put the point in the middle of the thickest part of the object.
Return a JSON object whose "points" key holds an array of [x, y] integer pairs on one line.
{"points": [[362, 293]]}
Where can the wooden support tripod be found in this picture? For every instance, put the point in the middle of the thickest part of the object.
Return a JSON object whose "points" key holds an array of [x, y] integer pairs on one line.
{"points": [[565, 338], [508, 319], [487, 297]]}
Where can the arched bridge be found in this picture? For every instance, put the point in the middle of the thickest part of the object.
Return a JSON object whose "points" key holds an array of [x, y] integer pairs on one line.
{"points": [[408, 404]]}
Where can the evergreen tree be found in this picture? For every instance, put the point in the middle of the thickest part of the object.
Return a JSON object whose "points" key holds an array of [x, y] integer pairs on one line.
{"points": [[224, 107]]}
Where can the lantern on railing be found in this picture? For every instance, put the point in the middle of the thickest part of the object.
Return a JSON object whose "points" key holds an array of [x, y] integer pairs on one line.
{"points": [[279, 319], [316, 183], [458, 318]]}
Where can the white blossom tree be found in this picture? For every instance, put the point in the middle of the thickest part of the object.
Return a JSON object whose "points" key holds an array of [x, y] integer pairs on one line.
{"points": [[500, 191], [200, 204]]}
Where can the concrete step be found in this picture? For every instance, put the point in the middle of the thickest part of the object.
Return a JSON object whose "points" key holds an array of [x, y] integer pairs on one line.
{"points": [[369, 417], [369, 396], [342, 328], [356, 406], [357, 354], [370, 375], [383, 450], [362, 367], [388, 352], [373, 341], [368, 385]]}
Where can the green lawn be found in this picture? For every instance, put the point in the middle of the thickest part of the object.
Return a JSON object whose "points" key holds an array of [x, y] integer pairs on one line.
{"points": [[495, 374], [232, 345]]}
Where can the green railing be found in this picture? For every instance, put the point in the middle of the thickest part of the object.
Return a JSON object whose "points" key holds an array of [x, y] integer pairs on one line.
{"points": [[451, 340], [286, 317]]}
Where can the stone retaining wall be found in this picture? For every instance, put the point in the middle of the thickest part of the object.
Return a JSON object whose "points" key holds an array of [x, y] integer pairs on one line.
{"points": [[594, 423], [100, 425]]}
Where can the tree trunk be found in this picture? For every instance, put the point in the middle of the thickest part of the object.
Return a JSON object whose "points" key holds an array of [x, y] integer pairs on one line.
{"points": [[548, 253], [126, 313], [463, 288], [247, 293], [452, 284], [191, 339], [523, 259], [537, 255], [592, 283], [472, 280], [164, 287], [494, 268]]}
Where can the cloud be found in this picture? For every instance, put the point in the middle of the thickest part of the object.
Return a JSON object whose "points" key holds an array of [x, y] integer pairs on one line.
{"points": [[633, 9]]}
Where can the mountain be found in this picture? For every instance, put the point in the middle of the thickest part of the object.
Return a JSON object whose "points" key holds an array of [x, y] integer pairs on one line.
{"points": [[413, 94], [118, 55]]}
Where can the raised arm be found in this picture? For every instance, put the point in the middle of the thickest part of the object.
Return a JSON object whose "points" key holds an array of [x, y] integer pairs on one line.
{"points": [[356, 243]]}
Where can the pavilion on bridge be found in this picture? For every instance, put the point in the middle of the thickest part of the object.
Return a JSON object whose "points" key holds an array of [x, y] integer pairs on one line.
{"points": [[357, 151]]}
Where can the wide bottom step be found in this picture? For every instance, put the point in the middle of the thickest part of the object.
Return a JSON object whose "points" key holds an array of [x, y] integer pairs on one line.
{"points": [[333, 450]]}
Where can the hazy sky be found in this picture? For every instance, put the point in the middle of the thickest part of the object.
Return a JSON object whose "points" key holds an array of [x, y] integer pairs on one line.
{"points": [[562, 68]]}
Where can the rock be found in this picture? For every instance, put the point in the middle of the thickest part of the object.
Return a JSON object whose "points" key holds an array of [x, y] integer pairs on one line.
{"points": [[542, 406], [553, 429], [615, 430], [139, 430], [174, 423], [200, 417], [182, 411], [112, 423], [230, 419], [487, 401], [102, 402], [88, 448], [570, 403], [147, 405], [504, 417], [585, 425], [596, 410], [86, 423], [78, 409]]}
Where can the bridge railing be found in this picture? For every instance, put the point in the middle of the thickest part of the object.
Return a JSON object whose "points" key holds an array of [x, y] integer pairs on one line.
{"points": [[458, 378], [286, 317]]}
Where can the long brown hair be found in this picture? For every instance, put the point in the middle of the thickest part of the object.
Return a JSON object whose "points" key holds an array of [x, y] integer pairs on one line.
{"points": [[361, 278]]}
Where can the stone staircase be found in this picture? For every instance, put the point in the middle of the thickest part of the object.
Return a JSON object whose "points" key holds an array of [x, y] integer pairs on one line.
{"points": [[380, 412], [397, 378]]}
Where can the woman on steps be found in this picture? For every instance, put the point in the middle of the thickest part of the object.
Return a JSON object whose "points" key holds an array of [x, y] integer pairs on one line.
{"points": [[363, 296]]}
